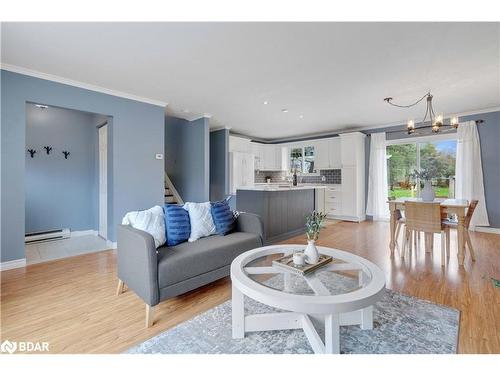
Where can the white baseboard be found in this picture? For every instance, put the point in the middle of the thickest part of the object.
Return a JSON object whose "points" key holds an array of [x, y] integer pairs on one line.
{"points": [[11, 264], [488, 230], [112, 245], [79, 233]]}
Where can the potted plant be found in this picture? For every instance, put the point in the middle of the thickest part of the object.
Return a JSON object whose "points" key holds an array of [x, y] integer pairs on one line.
{"points": [[427, 194], [314, 223]]}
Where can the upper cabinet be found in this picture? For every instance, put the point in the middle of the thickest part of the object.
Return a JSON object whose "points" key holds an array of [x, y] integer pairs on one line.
{"points": [[312, 155], [267, 157], [334, 153], [322, 154], [352, 149], [328, 154]]}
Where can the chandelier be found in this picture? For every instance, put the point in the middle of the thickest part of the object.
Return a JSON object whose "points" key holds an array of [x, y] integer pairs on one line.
{"points": [[436, 122]]}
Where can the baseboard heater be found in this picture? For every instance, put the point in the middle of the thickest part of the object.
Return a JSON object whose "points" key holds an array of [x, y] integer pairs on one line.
{"points": [[49, 235]]}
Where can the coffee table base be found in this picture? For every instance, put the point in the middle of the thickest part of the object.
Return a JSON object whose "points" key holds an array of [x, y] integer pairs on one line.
{"points": [[294, 320]]}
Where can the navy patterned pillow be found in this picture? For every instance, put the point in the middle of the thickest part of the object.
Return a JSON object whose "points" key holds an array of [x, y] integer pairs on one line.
{"points": [[177, 224], [223, 217]]}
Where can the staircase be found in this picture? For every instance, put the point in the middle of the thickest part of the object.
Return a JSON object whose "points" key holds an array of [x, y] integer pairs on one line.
{"points": [[171, 194], [169, 197]]}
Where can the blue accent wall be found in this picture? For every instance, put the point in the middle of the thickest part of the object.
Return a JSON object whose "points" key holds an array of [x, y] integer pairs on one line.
{"points": [[489, 135], [61, 193], [136, 134], [187, 157], [219, 164]]}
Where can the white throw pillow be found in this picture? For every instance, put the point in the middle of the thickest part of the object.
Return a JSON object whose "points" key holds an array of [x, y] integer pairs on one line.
{"points": [[151, 221], [200, 218]]}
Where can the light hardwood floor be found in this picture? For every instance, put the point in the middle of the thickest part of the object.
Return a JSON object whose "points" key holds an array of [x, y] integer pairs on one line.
{"points": [[71, 303]]}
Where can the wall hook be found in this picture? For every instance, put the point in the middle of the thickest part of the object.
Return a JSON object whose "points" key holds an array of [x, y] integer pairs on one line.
{"points": [[66, 154], [32, 152], [47, 149]]}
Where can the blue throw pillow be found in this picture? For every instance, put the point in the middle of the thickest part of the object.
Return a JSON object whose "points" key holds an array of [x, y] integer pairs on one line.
{"points": [[223, 217], [177, 225]]}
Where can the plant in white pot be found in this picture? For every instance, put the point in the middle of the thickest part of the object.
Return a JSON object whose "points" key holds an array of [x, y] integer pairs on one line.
{"points": [[427, 193], [314, 223]]}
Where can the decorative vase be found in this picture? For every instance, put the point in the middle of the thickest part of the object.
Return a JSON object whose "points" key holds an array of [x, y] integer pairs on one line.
{"points": [[311, 253], [428, 193]]}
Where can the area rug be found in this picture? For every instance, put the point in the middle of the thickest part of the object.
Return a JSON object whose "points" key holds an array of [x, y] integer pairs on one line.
{"points": [[402, 324]]}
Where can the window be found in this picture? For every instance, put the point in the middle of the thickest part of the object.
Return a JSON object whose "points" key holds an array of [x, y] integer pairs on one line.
{"points": [[308, 159], [435, 156], [302, 159]]}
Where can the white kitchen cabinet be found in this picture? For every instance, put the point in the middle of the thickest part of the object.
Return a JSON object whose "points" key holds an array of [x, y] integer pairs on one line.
{"points": [[327, 153], [257, 149], [321, 155], [241, 170], [334, 156], [268, 156], [353, 176], [319, 200]]}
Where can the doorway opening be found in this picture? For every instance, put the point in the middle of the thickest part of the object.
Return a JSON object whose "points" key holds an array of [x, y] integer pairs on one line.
{"points": [[66, 179]]}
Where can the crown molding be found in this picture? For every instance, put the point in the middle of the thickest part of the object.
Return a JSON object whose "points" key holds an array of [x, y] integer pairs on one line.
{"points": [[197, 117], [220, 128], [82, 85]]}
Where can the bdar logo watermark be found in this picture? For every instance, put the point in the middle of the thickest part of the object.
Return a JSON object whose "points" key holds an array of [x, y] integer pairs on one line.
{"points": [[23, 346]]}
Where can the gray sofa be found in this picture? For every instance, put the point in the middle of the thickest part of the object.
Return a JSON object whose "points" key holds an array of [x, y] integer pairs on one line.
{"points": [[158, 274]]}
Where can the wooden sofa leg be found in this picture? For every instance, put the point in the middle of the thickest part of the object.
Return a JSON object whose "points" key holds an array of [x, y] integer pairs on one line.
{"points": [[119, 289], [149, 315]]}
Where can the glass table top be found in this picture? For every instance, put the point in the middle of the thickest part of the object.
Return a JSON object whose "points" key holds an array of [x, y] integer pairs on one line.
{"points": [[335, 278]]}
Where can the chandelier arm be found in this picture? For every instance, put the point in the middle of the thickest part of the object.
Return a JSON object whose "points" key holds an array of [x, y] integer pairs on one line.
{"points": [[388, 100], [426, 113]]}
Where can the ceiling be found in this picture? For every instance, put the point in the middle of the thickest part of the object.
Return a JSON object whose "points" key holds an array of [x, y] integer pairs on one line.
{"points": [[333, 75]]}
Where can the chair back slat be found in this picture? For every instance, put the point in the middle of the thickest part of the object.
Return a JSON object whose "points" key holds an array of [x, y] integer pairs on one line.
{"points": [[423, 216], [470, 212]]}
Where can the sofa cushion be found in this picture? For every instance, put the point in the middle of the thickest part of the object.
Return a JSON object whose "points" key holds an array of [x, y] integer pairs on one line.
{"points": [[200, 218], [190, 259], [224, 219], [151, 221], [177, 224]]}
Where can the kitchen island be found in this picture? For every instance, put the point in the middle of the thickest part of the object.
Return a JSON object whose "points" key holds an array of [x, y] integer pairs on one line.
{"points": [[283, 209]]}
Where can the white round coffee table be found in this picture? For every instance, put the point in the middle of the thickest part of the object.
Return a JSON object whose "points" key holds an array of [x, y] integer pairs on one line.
{"points": [[340, 293]]}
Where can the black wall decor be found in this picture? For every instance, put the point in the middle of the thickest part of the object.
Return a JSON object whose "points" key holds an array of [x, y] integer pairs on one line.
{"points": [[32, 152], [66, 154], [47, 149]]}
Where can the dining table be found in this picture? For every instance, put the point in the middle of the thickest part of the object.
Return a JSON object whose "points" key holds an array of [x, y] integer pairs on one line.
{"points": [[449, 206]]}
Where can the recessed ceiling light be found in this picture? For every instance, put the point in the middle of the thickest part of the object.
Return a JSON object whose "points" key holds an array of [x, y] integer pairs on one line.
{"points": [[301, 116], [265, 102], [284, 110], [186, 110], [41, 106]]}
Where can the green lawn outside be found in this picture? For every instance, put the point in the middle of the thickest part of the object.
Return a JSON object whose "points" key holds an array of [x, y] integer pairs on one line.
{"points": [[398, 193]]}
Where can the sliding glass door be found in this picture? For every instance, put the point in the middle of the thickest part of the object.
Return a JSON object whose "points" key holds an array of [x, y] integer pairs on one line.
{"points": [[436, 156]]}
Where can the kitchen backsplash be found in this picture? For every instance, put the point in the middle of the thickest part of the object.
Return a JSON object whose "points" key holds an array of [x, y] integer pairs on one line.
{"points": [[332, 176]]}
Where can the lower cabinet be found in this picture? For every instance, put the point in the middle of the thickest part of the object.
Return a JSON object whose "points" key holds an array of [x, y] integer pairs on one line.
{"points": [[319, 200]]}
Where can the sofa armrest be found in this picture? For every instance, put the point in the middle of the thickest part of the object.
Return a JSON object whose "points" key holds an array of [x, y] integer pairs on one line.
{"points": [[250, 223], [138, 263]]}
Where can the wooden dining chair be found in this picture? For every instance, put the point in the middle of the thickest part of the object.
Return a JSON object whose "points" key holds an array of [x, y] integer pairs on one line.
{"points": [[400, 221], [424, 217], [450, 223]]}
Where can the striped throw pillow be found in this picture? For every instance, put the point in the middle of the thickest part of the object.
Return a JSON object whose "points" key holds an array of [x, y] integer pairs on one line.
{"points": [[224, 219], [177, 224]]}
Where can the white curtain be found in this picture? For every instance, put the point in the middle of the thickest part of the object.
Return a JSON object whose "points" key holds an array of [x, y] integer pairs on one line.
{"points": [[469, 171], [377, 179]]}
